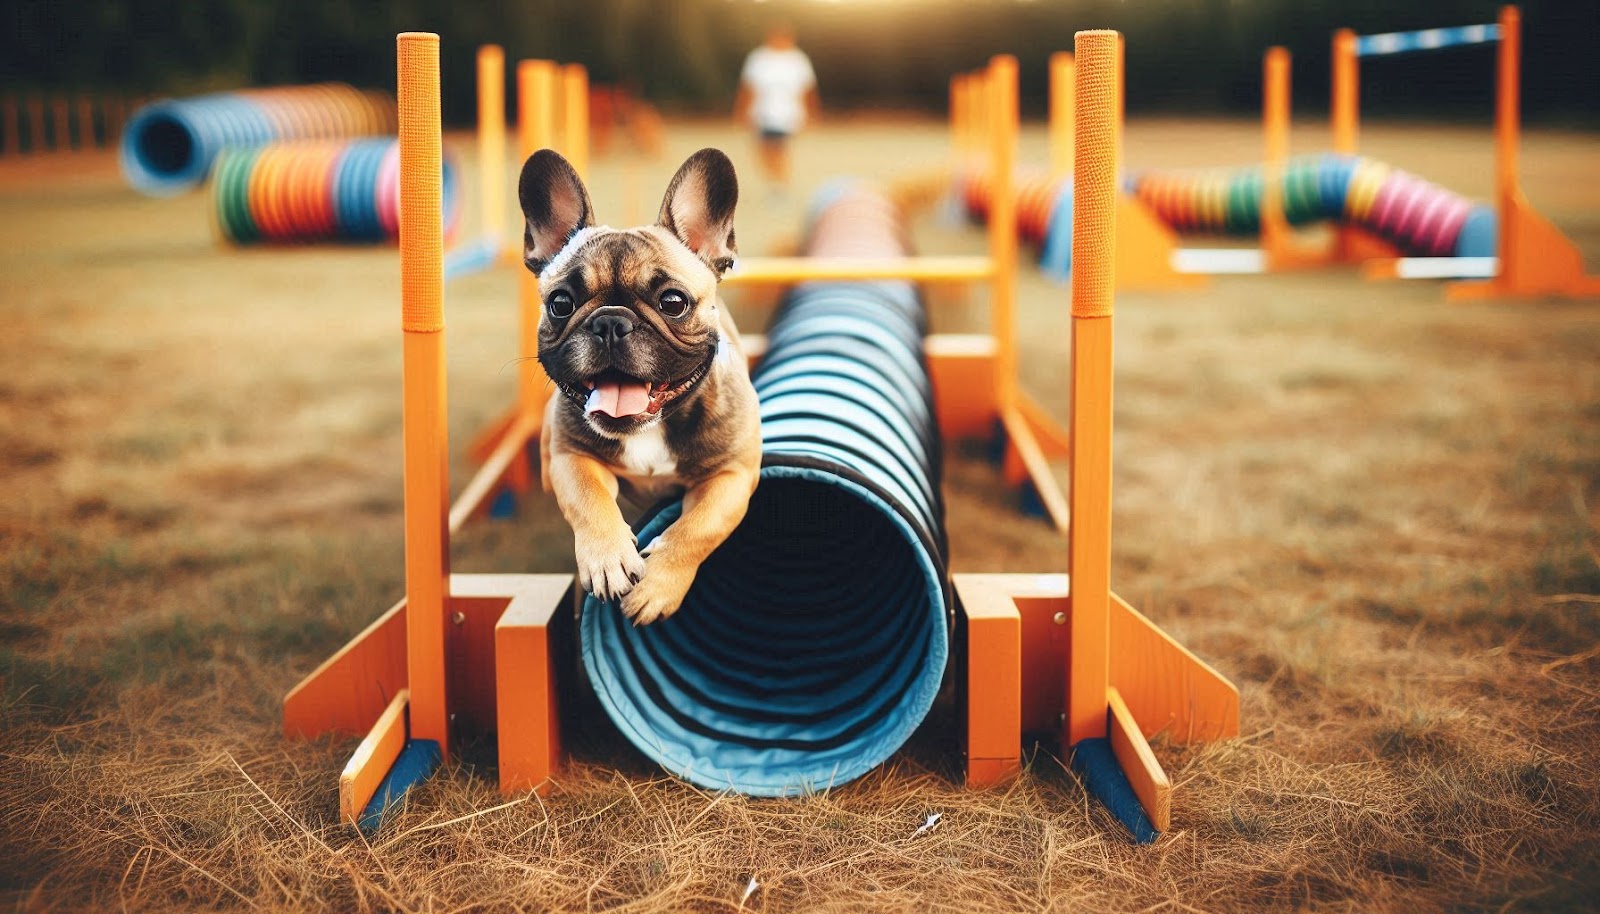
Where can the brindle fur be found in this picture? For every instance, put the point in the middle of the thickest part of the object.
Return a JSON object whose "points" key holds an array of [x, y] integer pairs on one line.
{"points": [[712, 432]]}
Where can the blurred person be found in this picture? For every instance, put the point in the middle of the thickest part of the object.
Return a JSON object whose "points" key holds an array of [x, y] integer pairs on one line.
{"points": [[777, 89]]}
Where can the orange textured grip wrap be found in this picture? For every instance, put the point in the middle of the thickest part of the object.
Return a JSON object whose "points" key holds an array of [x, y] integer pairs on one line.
{"points": [[1094, 198], [421, 185]]}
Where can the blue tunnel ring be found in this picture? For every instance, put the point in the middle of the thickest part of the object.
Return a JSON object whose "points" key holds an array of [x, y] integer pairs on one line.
{"points": [[815, 639]]}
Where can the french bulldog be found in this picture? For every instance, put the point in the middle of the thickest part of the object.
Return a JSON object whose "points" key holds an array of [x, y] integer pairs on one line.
{"points": [[654, 396]]}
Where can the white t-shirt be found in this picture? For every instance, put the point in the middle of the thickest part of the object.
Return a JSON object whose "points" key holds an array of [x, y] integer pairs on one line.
{"points": [[778, 82]]}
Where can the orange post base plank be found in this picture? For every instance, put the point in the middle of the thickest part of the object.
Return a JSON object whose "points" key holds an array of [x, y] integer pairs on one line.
{"points": [[372, 759], [1150, 784]]}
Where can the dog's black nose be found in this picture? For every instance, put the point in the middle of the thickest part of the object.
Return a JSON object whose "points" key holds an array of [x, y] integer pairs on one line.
{"points": [[611, 326]]}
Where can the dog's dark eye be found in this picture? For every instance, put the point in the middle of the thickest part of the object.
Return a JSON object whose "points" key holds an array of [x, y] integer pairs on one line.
{"points": [[673, 303], [559, 304]]}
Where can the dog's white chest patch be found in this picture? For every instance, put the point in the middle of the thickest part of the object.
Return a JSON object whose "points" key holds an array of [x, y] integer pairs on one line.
{"points": [[645, 453]]}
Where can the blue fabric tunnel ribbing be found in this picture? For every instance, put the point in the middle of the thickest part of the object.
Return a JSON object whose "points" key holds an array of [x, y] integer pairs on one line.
{"points": [[813, 642]]}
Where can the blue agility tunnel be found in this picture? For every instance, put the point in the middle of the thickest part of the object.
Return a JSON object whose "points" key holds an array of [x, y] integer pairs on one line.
{"points": [[169, 146], [814, 641]]}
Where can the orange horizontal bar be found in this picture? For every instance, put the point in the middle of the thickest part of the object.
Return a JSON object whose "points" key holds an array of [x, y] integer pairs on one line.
{"points": [[809, 269], [483, 485]]}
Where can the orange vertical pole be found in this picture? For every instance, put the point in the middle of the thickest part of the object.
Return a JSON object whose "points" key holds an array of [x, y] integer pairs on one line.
{"points": [[1093, 281], [1345, 116], [1061, 90], [575, 112], [1003, 129], [536, 97], [35, 105], [62, 127], [427, 470], [956, 125], [492, 139], [86, 138], [1345, 107], [1275, 131], [977, 112], [1507, 133], [13, 125], [112, 109]]}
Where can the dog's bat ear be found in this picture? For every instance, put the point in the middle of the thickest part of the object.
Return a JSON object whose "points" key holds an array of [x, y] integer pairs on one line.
{"points": [[555, 205], [698, 207]]}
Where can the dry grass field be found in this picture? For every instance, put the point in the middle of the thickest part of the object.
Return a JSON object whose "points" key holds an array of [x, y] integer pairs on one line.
{"points": [[1378, 513]]}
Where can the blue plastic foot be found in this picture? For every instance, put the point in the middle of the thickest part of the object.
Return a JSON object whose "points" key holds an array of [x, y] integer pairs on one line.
{"points": [[997, 443], [419, 759], [504, 505], [1032, 505], [1095, 763]]}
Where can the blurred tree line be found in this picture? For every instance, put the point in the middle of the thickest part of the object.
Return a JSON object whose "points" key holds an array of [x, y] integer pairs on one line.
{"points": [[1200, 56]]}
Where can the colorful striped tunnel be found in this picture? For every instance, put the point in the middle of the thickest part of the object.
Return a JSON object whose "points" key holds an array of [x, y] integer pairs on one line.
{"points": [[814, 640], [169, 147], [339, 190], [1417, 216]]}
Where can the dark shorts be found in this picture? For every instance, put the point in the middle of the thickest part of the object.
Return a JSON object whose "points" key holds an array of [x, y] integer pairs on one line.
{"points": [[768, 135]]}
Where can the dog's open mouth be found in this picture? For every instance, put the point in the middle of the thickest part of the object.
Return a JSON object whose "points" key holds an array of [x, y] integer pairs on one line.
{"points": [[622, 396], [619, 395]]}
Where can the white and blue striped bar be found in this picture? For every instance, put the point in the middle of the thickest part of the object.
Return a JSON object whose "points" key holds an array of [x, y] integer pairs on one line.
{"points": [[1425, 40]]}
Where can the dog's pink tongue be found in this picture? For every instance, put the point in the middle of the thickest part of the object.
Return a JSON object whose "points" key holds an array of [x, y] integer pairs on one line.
{"points": [[618, 400]]}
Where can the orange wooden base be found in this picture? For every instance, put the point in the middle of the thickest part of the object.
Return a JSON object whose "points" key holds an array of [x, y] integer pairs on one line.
{"points": [[1536, 260], [1355, 245], [504, 649], [1144, 246], [1018, 655]]}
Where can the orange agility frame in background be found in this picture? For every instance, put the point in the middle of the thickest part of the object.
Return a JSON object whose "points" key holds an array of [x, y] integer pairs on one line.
{"points": [[1534, 258]]}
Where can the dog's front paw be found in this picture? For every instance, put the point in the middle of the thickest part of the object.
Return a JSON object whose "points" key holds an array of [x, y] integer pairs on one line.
{"points": [[657, 595], [609, 568]]}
